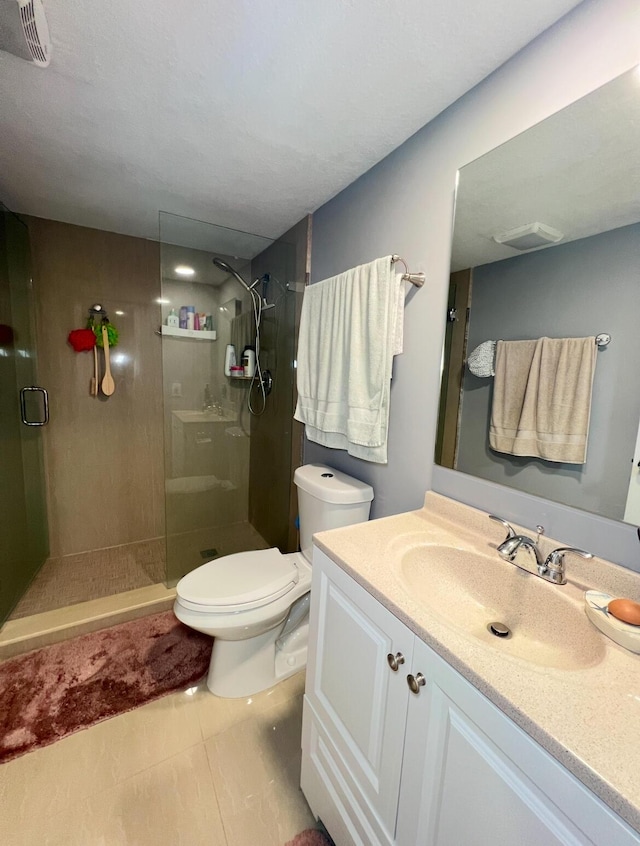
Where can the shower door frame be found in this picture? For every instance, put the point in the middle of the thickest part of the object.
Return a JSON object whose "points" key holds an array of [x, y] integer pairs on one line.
{"points": [[23, 523]]}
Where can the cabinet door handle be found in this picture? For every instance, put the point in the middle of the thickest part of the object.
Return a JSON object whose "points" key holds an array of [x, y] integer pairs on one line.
{"points": [[416, 682], [394, 661]]}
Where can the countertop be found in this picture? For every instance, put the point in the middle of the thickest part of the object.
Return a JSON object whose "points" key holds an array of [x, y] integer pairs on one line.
{"points": [[588, 719]]}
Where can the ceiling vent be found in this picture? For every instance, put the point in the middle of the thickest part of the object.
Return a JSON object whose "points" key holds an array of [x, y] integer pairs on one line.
{"points": [[529, 236], [24, 31]]}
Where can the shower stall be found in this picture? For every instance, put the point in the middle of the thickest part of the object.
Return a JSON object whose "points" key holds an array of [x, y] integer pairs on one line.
{"points": [[120, 495]]}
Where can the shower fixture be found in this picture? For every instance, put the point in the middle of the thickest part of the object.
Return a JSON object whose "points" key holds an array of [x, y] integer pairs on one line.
{"points": [[228, 269], [261, 378]]}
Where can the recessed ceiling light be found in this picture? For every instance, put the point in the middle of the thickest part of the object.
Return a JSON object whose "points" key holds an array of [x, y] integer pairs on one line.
{"points": [[184, 270], [120, 312]]}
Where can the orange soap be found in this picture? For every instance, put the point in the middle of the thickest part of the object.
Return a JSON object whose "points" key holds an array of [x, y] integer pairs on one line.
{"points": [[626, 610]]}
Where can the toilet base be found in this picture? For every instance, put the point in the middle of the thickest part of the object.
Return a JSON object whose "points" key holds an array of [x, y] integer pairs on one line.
{"points": [[240, 668]]}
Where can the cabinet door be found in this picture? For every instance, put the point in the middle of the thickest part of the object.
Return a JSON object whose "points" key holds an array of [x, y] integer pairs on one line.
{"points": [[359, 701], [473, 777]]}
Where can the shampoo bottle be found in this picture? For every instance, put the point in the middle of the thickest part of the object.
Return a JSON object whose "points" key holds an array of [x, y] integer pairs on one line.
{"points": [[229, 359], [249, 361]]}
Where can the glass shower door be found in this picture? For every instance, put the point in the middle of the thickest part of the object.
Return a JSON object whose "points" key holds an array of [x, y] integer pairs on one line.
{"points": [[23, 411], [227, 466]]}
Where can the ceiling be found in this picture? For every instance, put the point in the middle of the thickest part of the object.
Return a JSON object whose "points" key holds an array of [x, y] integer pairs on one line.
{"points": [[244, 114], [578, 171]]}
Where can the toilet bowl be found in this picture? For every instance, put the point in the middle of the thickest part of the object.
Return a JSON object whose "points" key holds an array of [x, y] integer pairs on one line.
{"points": [[255, 604]]}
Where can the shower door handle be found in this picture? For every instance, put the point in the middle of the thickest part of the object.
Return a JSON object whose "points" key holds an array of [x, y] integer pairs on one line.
{"points": [[23, 406]]}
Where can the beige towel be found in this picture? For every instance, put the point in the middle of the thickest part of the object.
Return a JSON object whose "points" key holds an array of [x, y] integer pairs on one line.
{"points": [[350, 329], [542, 398]]}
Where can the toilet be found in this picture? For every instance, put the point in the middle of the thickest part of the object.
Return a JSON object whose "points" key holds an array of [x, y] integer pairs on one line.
{"points": [[256, 604]]}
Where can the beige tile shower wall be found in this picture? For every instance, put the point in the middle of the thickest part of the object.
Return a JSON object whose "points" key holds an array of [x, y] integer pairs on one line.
{"points": [[103, 455], [276, 438]]}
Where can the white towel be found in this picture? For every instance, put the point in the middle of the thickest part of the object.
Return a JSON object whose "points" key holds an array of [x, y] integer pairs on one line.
{"points": [[350, 329], [481, 360]]}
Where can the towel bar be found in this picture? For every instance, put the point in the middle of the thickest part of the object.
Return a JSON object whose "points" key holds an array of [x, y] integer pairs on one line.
{"points": [[416, 279], [481, 360]]}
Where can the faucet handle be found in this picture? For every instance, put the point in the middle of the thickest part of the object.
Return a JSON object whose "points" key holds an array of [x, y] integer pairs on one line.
{"points": [[553, 567], [510, 530]]}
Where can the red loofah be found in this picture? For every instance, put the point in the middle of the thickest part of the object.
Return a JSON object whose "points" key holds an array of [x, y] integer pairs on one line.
{"points": [[82, 339]]}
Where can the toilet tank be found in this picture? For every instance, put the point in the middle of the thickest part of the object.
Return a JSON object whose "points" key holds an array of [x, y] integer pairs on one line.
{"points": [[328, 499]]}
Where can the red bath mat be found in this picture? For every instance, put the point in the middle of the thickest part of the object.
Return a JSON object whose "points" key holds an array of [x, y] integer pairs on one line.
{"points": [[72, 685], [310, 837]]}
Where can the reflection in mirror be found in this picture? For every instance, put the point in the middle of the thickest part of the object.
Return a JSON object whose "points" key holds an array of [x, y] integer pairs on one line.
{"points": [[578, 173]]}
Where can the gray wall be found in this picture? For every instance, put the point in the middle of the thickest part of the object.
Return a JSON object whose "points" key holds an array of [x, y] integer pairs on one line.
{"points": [[405, 205], [570, 290]]}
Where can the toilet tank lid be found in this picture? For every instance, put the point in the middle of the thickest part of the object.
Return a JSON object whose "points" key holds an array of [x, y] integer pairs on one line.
{"points": [[330, 485]]}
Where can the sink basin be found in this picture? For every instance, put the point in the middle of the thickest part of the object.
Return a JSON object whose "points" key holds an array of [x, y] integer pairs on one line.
{"points": [[469, 590]]}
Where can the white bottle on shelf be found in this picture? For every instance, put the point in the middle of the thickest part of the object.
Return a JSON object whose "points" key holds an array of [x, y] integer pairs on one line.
{"points": [[249, 361], [229, 359]]}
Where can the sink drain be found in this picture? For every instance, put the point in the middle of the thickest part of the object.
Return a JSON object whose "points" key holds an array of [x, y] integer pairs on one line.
{"points": [[499, 629]]}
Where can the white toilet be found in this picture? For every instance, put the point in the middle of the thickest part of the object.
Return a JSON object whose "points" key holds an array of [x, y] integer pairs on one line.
{"points": [[256, 604]]}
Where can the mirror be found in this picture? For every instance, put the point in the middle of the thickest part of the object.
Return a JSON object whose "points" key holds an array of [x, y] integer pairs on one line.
{"points": [[577, 172]]}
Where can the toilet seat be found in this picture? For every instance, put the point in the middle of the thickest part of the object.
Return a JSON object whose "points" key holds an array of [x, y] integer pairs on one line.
{"points": [[239, 582]]}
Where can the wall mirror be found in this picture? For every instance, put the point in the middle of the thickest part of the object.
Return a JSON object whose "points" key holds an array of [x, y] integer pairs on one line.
{"points": [[578, 172]]}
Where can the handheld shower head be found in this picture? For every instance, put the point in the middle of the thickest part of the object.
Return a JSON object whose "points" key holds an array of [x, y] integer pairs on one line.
{"points": [[228, 269], [258, 305]]}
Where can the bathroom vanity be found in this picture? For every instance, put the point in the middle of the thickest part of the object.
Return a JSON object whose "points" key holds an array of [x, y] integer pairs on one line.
{"points": [[422, 727]]}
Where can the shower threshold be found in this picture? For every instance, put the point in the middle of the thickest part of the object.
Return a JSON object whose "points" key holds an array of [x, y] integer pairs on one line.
{"points": [[26, 633]]}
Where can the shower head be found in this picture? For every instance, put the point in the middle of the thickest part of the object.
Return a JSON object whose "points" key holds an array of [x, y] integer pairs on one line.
{"points": [[228, 269]]}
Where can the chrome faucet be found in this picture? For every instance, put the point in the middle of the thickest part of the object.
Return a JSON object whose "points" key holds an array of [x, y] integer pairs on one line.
{"points": [[551, 569], [208, 403], [514, 542]]}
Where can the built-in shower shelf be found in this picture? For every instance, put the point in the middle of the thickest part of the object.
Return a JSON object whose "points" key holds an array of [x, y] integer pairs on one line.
{"points": [[196, 334], [243, 378]]}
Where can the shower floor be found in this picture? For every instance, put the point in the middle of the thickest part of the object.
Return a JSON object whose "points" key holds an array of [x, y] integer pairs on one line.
{"points": [[189, 550], [105, 572], [93, 575]]}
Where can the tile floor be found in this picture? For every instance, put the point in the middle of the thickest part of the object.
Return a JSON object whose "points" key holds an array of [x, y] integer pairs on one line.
{"points": [[187, 769]]}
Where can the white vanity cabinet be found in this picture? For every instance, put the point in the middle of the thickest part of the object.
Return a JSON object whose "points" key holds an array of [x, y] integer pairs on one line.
{"points": [[440, 767], [354, 710]]}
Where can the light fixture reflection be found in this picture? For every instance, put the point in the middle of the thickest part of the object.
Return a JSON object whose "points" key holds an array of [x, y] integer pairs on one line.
{"points": [[162, 301], [120, 313], [184, 270]]}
